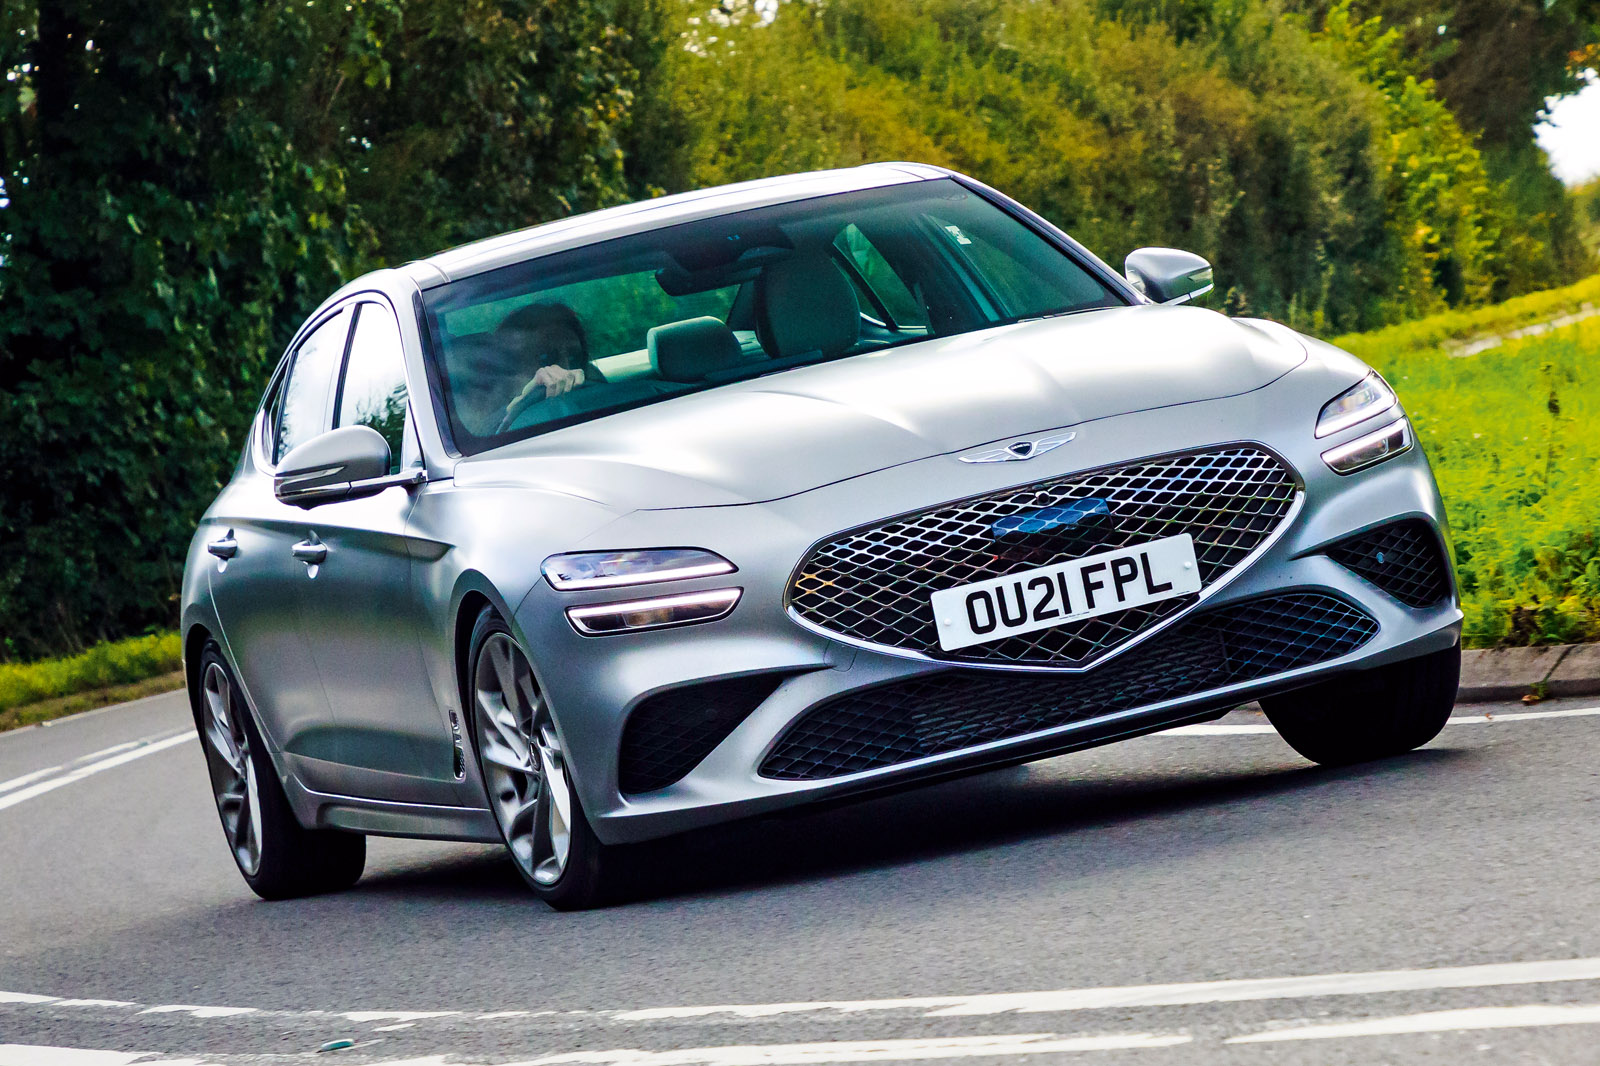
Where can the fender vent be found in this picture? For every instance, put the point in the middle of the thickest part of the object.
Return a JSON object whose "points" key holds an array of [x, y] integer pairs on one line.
{"points": [[1403, 559]]}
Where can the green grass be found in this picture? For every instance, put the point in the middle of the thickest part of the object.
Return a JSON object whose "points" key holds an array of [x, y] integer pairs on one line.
{"points": [[1514, 437], [1462, 326], [122, 662]]}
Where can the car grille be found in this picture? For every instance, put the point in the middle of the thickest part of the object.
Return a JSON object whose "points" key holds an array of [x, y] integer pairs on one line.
{"points": [[668, 734], [955, 709], [1403, 559], [874, 583]]}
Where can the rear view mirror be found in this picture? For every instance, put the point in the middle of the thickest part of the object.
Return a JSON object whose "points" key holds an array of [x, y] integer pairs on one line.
{"points": [[1168, 275], [339, 465]]}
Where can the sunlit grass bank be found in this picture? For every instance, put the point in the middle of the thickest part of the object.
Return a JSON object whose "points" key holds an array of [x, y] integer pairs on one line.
{"points": [[1514, 436], [123, 669]]}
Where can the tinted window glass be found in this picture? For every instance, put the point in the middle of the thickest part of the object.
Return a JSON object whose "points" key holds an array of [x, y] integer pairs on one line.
{"points": [[575, 335], [308, 394], [885, 286], [374, 390], [1016, 273]]}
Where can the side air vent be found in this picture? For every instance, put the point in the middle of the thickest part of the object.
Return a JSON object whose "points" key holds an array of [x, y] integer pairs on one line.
{"points": [[1403, 559], [668, 734]]}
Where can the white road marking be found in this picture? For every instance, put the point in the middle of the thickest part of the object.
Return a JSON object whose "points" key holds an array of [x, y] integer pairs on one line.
{"points": [[1212, 729], [30, 1055], [396, 1015], [910, 1050], [137, 750], [1208, 729], [18, 782], [1242, 990], [1524, 716], [818, 1054], [1168, 995], [198, 1012], [1534, 1015]]}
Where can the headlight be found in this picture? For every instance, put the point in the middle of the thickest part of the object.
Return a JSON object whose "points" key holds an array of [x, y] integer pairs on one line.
{"points": [[1368, 397], [603, 570], [1371, 448], [681, 610]]}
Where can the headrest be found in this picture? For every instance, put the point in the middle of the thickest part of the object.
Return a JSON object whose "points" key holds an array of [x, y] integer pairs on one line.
{"points": [[805, 304], [693, 348]]}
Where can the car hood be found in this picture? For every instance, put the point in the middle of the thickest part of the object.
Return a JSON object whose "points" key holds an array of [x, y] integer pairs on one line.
{"points": [[787, 432]]}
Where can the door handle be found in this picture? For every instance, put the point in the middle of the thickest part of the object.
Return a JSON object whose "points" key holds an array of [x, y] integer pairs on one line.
{"points": [[311, 551], [224, 547]]}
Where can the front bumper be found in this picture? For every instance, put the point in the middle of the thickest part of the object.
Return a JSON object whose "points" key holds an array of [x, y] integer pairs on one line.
{"points": [[594, 683]]}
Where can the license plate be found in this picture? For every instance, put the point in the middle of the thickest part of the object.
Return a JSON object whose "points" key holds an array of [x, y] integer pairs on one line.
{"points": [[1065, 592]]}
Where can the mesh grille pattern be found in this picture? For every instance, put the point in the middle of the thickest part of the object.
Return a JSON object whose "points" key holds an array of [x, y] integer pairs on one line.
{"points": [[1402, 559], [873, 584], [668, 734], [957, 709]]}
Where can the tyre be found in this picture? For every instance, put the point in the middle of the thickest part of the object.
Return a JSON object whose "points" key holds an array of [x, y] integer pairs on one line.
{"points": [[279, 858], [1372, 714], [526, 778]]}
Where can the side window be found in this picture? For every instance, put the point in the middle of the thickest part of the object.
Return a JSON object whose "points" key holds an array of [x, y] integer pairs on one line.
{"points": [[308, 394], [903, 306], [274, 411], [374, 389]]}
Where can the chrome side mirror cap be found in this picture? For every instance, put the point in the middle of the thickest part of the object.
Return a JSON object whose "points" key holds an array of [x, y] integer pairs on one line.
{"points": [[343, 464], [1168, 275]]}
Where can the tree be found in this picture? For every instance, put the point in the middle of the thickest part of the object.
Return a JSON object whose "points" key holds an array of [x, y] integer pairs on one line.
{"points": [[183, 182]]}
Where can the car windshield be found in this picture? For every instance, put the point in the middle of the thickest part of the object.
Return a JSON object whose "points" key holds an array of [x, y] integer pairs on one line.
{"points": [[572, 336]]}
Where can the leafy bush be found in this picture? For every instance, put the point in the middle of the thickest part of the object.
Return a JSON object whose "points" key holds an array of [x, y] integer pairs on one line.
{"points": [[181, 185], [104, 664], [1514, 437], [1309, 160]]}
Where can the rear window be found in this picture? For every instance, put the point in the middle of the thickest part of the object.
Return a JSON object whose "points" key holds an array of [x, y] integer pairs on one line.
{"points": [[641, 319]]}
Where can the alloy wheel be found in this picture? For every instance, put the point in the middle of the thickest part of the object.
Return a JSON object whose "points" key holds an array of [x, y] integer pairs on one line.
{"points": [[524, 768], [233, 775]]}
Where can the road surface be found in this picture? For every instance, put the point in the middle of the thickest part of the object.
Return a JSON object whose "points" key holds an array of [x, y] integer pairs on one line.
{"points": [[1203, 896]]}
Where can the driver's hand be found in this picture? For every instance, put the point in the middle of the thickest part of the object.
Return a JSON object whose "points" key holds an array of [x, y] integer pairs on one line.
{"points": [[556, 380]]}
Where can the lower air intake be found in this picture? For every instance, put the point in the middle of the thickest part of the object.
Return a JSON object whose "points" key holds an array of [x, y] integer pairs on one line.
{"points": [[1403, 559], [668, 734], [955, 709]]}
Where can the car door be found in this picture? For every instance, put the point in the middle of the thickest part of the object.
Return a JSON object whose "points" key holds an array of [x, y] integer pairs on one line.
{"points": [[256, 582], [360, 610]]}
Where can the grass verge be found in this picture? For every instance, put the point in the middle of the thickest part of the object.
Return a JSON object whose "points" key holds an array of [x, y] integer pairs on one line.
{"points": [[62, 706], [1513, 434], [75, 682], [1438, 331]]}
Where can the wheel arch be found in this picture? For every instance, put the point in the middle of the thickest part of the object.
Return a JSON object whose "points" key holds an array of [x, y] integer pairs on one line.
{"points": [[195, 639]]}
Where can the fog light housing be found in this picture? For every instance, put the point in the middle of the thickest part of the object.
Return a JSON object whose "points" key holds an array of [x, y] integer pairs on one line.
{"points": [[1371, 449], [660, 612]]}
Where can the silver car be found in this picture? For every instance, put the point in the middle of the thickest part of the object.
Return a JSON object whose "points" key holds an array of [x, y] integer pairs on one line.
{"points": [[754, 497]]}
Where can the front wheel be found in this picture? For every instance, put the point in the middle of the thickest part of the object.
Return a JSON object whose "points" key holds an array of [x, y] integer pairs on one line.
{"points": [[525, 774], [1372, 714], [278, 857]]}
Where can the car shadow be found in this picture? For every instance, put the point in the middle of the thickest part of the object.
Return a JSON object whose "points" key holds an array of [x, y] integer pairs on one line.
{"points": [[995, 809]]}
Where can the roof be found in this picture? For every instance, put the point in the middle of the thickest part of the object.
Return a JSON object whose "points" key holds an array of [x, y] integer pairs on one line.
{"points": [[580, 230]]}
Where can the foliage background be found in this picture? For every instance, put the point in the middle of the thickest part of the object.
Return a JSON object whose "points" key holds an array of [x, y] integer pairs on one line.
{"points": [[181, 182]]}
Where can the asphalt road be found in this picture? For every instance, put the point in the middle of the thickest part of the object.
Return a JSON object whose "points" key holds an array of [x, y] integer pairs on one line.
{"points": [[1194, 897]]}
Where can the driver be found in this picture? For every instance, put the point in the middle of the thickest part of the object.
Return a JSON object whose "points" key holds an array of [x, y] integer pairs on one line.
{"points": [[552, 334]]}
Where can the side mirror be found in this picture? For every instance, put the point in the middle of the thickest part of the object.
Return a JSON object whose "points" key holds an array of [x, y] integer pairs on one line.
{"points": [[339, 465], [1168, 275]]}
